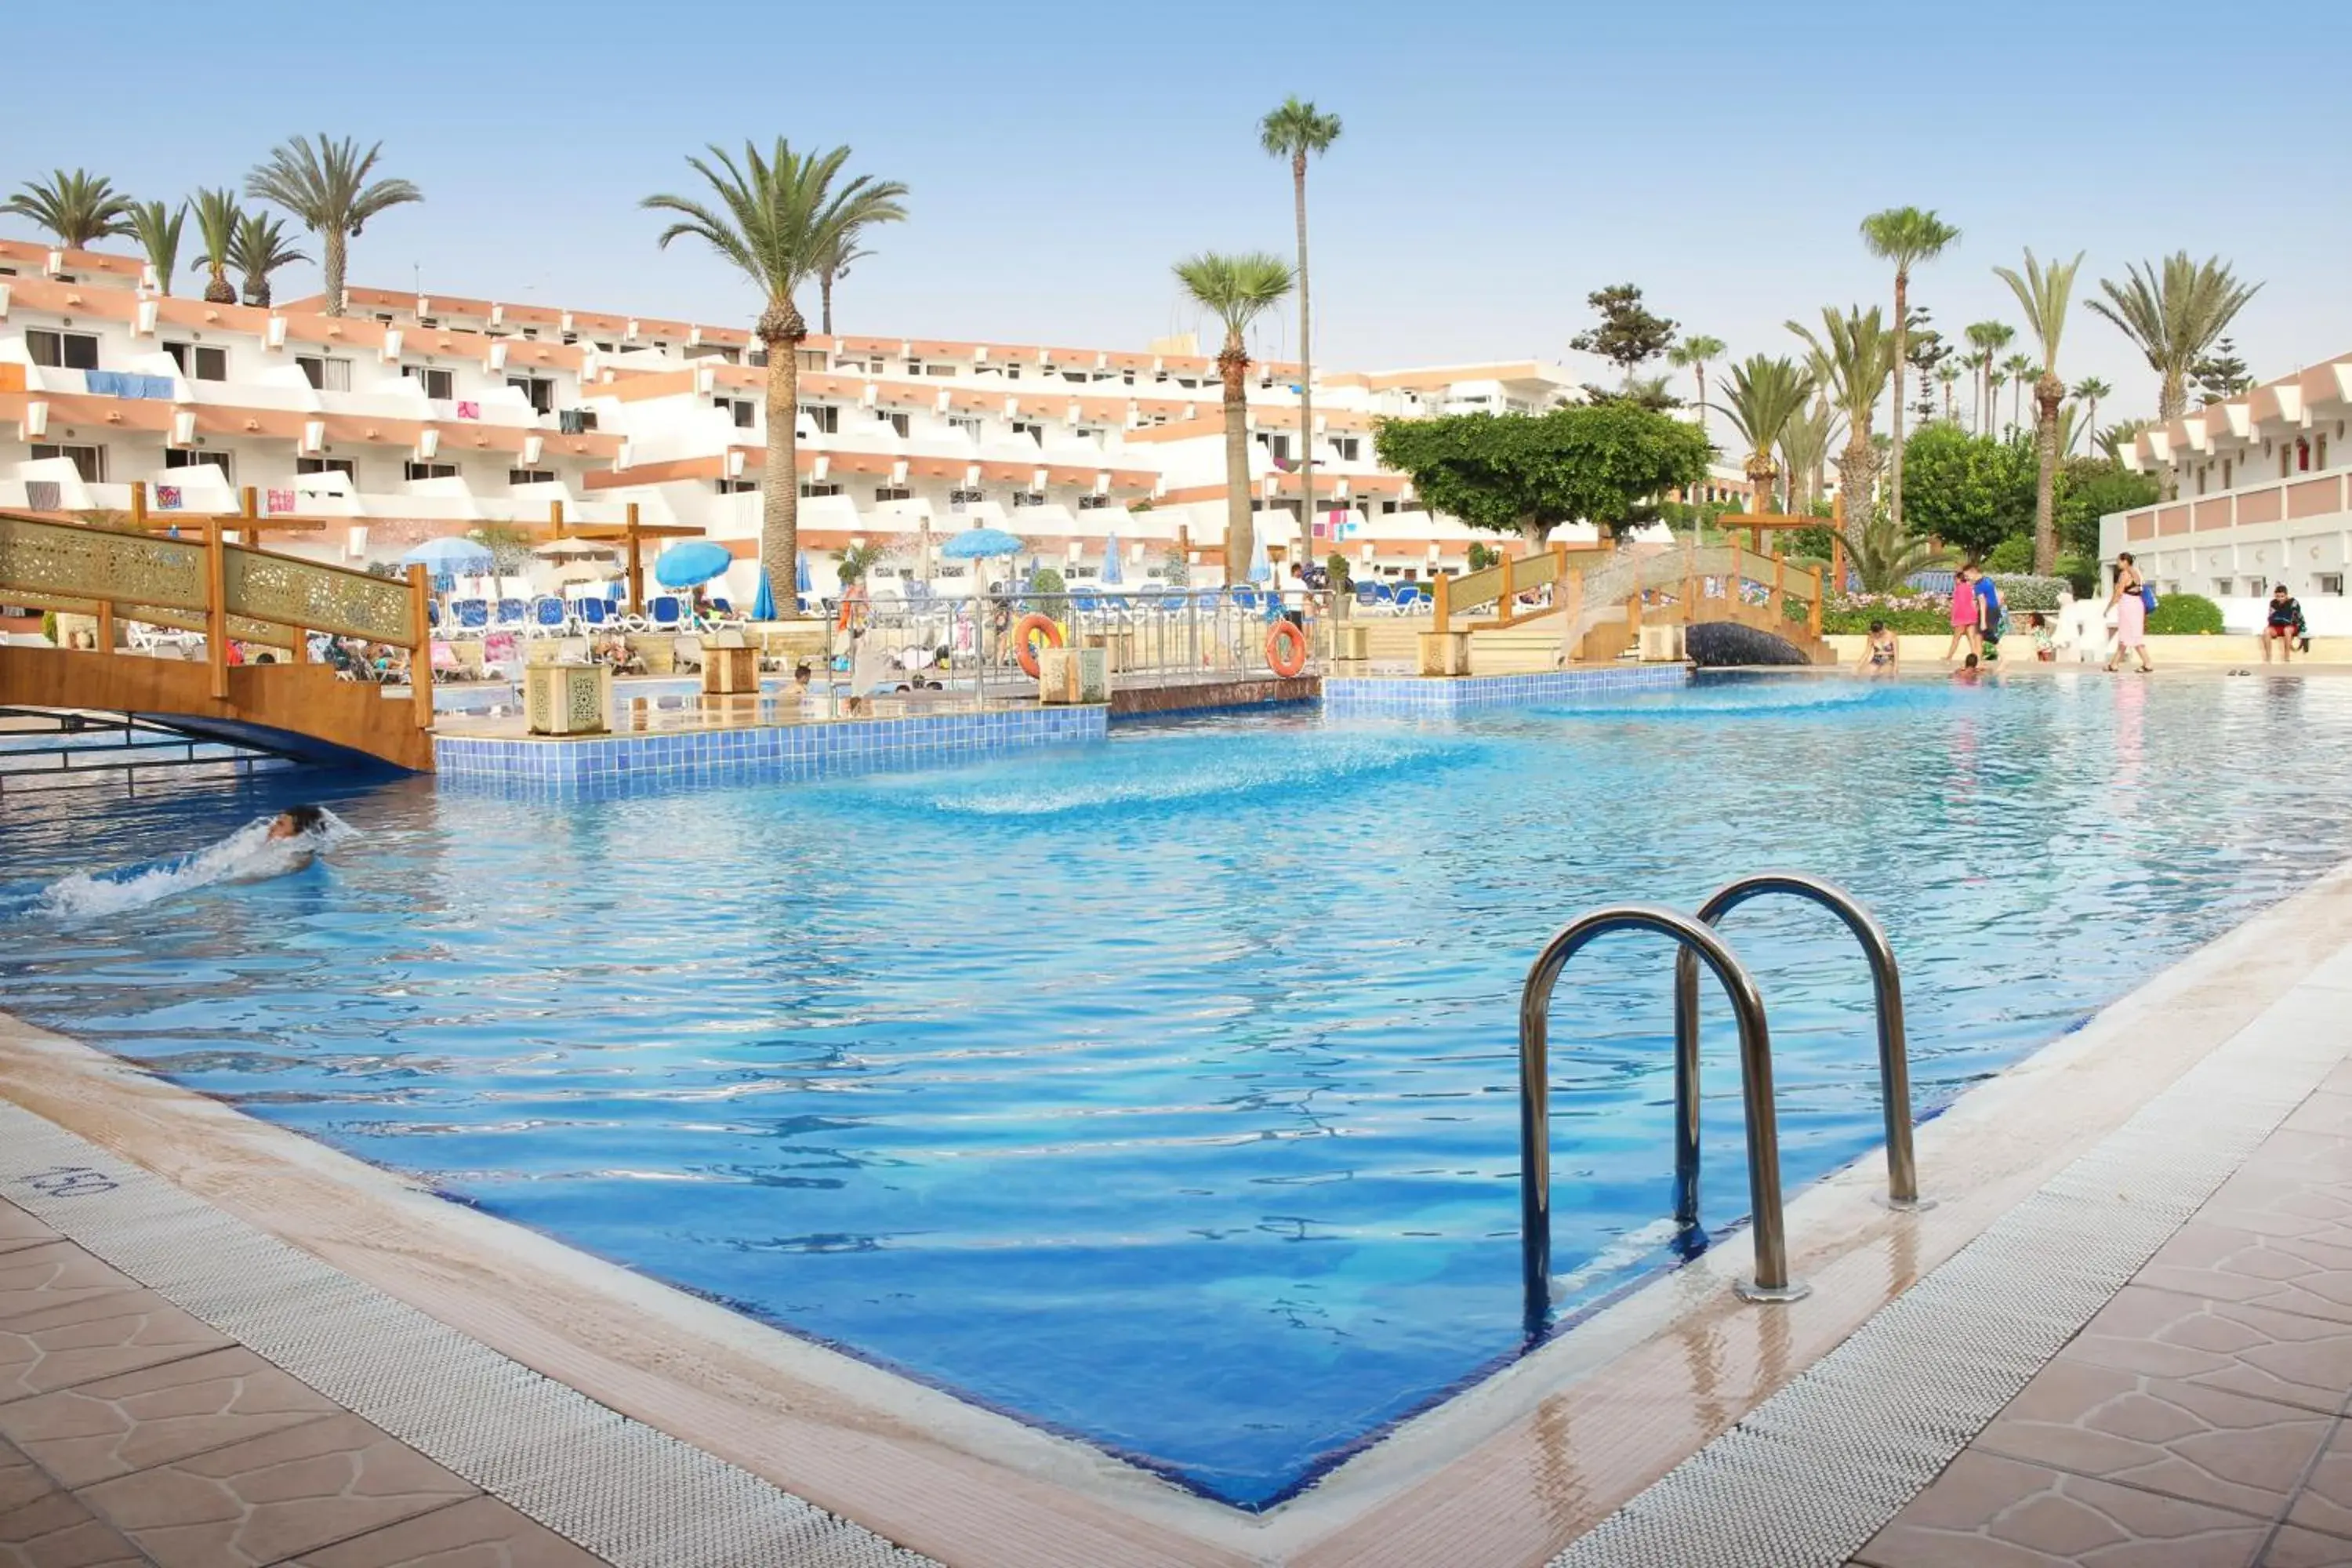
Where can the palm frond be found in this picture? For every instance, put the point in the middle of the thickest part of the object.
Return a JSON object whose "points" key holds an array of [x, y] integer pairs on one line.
{"points": [[2044, 294], [80, 208], [1885, 557], [779, 217], [157, 229], [1294, 129], [1235, 288]]}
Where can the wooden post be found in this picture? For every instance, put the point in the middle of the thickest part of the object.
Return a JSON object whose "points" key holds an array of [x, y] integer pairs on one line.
{"points": [[216, 608], [106, 626], [1441, 602], [1837, 543], [1503, 613], [636, 564], [138, 504], [420, 651], [1814, 616], [556, 517]]}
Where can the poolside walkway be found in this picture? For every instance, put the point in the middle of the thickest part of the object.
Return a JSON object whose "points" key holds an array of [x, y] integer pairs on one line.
{"points": [[2199, 1417], [133, 1435]]}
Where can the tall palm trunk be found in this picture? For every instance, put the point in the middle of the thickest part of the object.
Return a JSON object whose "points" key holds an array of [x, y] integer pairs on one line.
{"points": [[1761, 472], [218, 290], [2091, 423], [1902, 347], [1232, 366], [1698, 529], [1856, 472], [2046, 394], [332, 242], [782, 329], [2171, 401], [825, 300], [1305, 373]]}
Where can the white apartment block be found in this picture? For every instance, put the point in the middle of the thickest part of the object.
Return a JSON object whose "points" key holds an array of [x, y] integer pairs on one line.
{"points": [[415, 416]]}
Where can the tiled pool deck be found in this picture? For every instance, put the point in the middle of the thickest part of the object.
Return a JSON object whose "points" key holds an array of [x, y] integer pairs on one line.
{"points": [[171, 1370]]}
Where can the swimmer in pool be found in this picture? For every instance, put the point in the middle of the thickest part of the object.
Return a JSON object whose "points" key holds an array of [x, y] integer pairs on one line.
{"points": [[295, 827]]}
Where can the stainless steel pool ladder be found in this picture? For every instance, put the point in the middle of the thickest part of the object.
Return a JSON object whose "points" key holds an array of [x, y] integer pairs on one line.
{"points": [[1698, 942]]}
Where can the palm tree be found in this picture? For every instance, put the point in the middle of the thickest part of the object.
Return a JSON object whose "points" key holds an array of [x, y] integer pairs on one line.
{"points": [[832, 269], [2018, 369], [2111, 441], [1766, 393], [1293, 130], [217, 215], [1906, 237], [1995, 379], [776, 219], [1236, 289], [1805, 442], [80, 208], [1694, 354], [1948, 374], [1854, 357], [1975, 364], [157, 229], [1988, 338], [1885, 557], [2173, 311], [260, 248], [325, 185], [2044, 293], [2088, 391]]}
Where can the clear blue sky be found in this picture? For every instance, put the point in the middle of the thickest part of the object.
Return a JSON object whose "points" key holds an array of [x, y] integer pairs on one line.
{"points": [[1499, 161]]}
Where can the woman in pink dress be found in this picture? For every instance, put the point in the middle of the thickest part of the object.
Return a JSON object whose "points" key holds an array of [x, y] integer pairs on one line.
{"points": [[2131, 614], [1965, 605]]}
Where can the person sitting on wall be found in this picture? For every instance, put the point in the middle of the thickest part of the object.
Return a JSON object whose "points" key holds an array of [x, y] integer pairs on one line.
{"points": [[616, 651], [1882, 653], [2284, 625]]}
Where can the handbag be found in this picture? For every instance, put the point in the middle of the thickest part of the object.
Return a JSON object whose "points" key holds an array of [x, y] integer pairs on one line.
{"points": [[2148, 598]]}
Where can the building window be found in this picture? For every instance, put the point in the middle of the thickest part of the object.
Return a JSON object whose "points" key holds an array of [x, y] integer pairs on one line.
{"points": [[959, 500], [1388, 509], [530, 476], [2331, 584], [744, 486], [2221, 587], [415, 471], [1035, 432], [823, 417], [743, 410], [325, 375], [2319, 452], [1346, 447], [538, 391], [1028, 498], [893, 492], [89, 462], [914, 367], [965, 427], [2286, 461], [1093, 503], [896, 421], [62, 351], [940, 369], [440, 385], [343, 466], [811, 492], [874, 367], [199, 362], [2255, 587], [183, 457], [2225, 473]]}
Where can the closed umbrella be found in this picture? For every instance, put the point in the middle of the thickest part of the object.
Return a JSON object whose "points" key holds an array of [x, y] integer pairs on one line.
{"points": [[1112, 573], [1260, 570], [764, 604], [687, 566]]}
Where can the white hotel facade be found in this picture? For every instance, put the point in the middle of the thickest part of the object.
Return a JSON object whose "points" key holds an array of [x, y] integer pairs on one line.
{"points": [[411, 416], [2264, 500]]}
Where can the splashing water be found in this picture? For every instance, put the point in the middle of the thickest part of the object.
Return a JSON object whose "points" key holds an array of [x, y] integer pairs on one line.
{"points": [[249, 854]]}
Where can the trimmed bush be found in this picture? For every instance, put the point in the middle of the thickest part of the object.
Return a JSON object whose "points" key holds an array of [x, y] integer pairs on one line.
{"points": [[1902, 622], [2185, 614], [2011, 556], [2022, 592]]}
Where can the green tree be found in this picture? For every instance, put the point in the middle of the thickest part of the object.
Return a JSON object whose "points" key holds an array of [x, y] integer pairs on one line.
{"points": [[157, 229], [2221, 375], [1695, 354], [217, 215], [80, 208], [1629, 336], [1988, 338], [2044, 293], [1885, 557], [1805, 442], [775, 219], [2111, 441], [260, 249], [2088, 392], [1947, 375], [1293, 130], [1236, 289], [1906, 237], [324, 184], [2088, 490], [1854, 356], [2173, 311], [1973, 491], [2015, 372], [1603, 463], [1926, 352], [1764, 395], [832, 269]]}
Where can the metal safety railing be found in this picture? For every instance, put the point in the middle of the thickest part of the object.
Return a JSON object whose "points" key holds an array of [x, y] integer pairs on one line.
{"points": [[1696, 943]]}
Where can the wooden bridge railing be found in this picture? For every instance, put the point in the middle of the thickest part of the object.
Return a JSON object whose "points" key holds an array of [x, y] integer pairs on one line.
{"points": [[1599, 579], [225, 591]]}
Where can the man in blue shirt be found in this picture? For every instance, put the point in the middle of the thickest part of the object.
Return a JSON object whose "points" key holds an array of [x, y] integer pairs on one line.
{"points": [[1989, 614]]}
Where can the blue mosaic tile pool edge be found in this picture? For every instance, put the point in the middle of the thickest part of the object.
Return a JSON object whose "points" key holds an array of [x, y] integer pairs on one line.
{"points": [[1424, 697], [607, 764]]}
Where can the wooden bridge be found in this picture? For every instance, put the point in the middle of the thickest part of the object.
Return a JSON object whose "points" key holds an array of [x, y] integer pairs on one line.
{"points": [[1589, 605], [123, 575]]}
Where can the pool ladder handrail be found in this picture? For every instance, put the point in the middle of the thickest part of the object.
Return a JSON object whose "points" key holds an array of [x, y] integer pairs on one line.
{"points": [[1697, 942]]}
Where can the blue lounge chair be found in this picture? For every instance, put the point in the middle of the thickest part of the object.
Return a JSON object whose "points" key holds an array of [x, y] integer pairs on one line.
{"points": [[1407, 597], [473, 615], [666, 612], [596, 613], [513, 615], [549, 616]]}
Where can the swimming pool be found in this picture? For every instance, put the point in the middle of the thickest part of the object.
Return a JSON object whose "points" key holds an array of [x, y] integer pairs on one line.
{"points": [[1163, 1092]]}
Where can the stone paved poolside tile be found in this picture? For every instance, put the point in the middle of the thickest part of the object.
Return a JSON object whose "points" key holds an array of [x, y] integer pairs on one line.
{"points": [[2294, 1548], [272, 1498], [2325, 1501], [2309, 1273], [115, 1426], [57, 1532], [44, 1278], [21, 1481], [1986, 1511], [2181, 1438], [2285, 1357], [103, 1337], [481, 1533], [19, 1230], [2298, 1151]]}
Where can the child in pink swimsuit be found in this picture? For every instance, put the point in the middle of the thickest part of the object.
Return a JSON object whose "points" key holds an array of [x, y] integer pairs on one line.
{"points": [[1964, 614]]}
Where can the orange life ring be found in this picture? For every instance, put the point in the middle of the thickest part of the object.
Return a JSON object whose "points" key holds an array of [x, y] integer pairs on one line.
{"points": [[1286, 649], [1024, 635]]}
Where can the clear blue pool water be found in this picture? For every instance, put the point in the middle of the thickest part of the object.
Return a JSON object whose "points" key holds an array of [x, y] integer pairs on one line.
{"points": [[1163, 1093]]}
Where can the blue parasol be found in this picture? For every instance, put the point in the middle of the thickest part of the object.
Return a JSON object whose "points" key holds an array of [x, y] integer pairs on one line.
{"points": [[695, 562], [978, 543], [802, 582], [1112, 573], [763, 604], [451, 557], [1260, 569]]}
